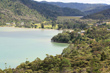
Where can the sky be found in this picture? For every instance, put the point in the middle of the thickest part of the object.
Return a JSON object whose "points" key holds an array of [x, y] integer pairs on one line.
{"points": [[80, 1]]}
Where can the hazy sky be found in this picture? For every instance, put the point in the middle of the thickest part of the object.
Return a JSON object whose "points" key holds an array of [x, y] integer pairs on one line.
{"points": [[80, 1]]}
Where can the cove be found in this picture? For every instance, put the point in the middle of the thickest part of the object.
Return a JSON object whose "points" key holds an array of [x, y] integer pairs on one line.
{"points": [[17, 44]]}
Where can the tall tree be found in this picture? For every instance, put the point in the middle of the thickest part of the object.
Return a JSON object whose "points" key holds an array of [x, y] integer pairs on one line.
{"points": [[42, 25]]}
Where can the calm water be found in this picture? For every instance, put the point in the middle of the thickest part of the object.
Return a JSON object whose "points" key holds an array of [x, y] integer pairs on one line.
{"points": [[17, 44]]}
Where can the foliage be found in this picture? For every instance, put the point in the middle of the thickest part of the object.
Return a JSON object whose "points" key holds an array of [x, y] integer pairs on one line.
{"points": [[53, 23], [64, 37], [14, 13], [97, 9], [71, 22], [79, 6], [103, 15], [77, 36], [42, 25], [51, 11], [103, 56], [86, 55]]}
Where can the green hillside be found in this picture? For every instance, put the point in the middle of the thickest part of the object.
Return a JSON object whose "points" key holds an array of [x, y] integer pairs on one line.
{"points": [[97, 9], [84, 7], [80, 6], [16, 12], [100, 15], [51, 11], [13, 11]]}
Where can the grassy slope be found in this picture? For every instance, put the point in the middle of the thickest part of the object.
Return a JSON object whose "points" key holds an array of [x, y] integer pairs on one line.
{"points": [[12, 11]]}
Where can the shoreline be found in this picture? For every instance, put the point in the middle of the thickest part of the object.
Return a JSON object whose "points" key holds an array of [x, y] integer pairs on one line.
{"points": [[37, 28], [28, 28], [59, 42]]}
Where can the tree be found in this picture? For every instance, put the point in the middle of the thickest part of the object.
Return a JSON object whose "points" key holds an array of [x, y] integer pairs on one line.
{"points": [[53, 23], [103, 56], [88, 31], [65, 63], [32, 24], [35, 26], [42, 25], [104, 24], [60, 26]]}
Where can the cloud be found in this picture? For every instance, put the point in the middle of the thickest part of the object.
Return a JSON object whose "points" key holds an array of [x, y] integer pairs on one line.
{"points": [[80, 1]]}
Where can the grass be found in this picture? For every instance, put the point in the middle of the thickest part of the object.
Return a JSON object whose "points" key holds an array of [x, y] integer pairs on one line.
{"points": [[69, 18], [60, 18]]}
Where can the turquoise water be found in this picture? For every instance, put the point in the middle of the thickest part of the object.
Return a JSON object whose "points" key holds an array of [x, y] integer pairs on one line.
{"points": [[17, 44]]}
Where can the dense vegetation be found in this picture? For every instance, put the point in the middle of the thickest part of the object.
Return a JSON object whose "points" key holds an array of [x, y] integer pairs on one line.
{"points": [[75, 20], [75, 36], [51, 11], [97, 9], [73, 24], [103, 15], [80, 6], [88, 54], [85, 8], [25, 13], [15, 13], [66, 37]]}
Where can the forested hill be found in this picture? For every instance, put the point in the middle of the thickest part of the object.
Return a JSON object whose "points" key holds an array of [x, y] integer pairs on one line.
{"points": [[51, 11], [80, 6], [15, 11], [18, 11], [97, 9], [100, 15], [86, 8]]}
